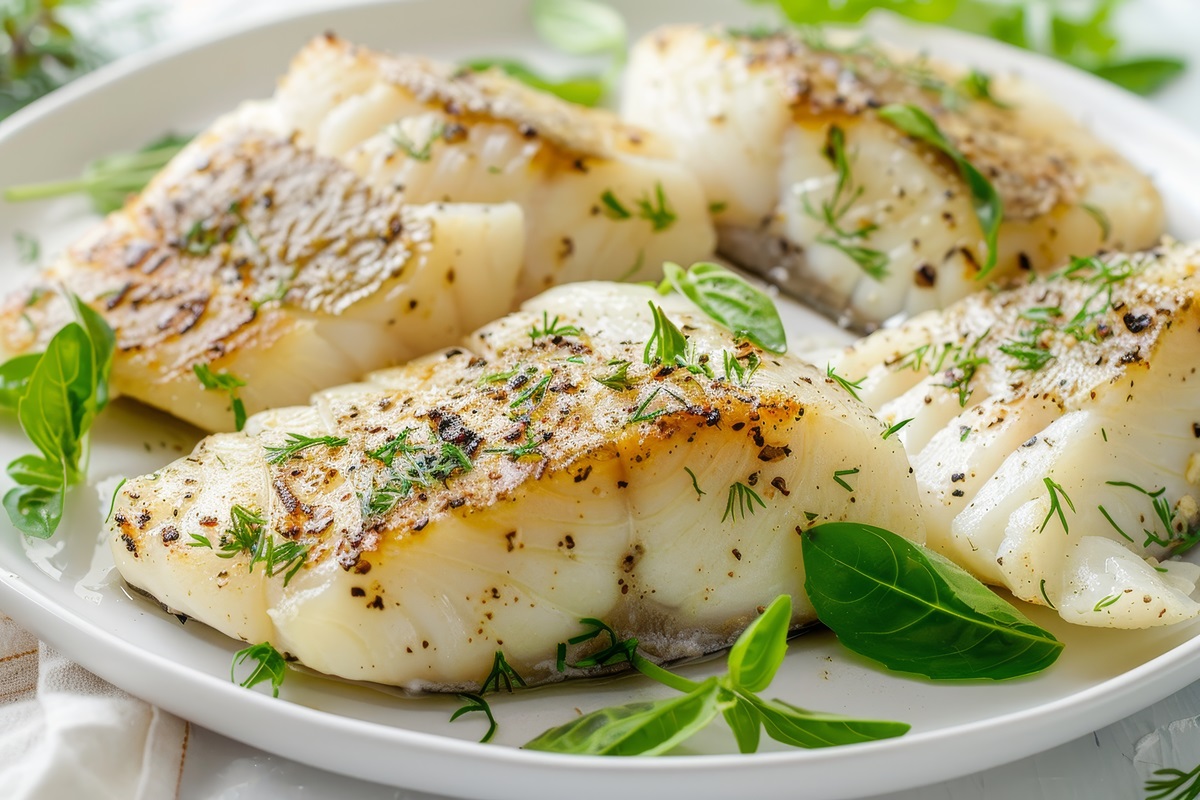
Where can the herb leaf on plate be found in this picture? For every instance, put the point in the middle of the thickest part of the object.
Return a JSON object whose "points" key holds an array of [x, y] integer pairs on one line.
{"points": [[913, 610], [731, 301]]}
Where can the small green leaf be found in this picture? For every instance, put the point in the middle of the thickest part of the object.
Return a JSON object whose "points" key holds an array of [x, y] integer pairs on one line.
{"points": [[731, 301], [584, 90], [801, 728], [989, 209], [1143, 75], [34, 510], [758, 652], [579, 27], [271, 667], [745, 722], [14, 378], [913, 610], [636, 729]]}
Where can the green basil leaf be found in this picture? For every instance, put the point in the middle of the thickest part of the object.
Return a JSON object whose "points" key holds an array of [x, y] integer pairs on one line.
{"points": [[745, 722], [35, 505], [915, 611], [1142, 76], [801, 728], [104, 343], [579, 27], [636, 729], [14, 378], [58, 402], [989, 209], [758, 652], [584, 90], [34, 470], [731, 301]]}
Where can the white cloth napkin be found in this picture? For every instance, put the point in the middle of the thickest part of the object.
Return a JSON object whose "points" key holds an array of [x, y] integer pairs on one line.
{"points": [[64, 733]]}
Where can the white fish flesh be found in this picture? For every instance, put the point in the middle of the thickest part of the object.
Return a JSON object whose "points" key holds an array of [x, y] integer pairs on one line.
{"points": [[265, 252], [1055, 433], [489, 496], [765, 120]]}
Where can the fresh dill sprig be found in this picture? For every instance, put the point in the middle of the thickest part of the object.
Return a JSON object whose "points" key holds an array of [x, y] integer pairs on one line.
{"points": [[248, 533], [534, 394], [896, 428], [640, 415], [1105, 602], [654, 209], [420, 466], [619, 380], [839, 478], [422, 152], [551, 329], [666, 344], [386, 453], [850, 386], [271, 666], [530, 447], [736, 372], [695, 484], [741, 501], [1174, 784], [1056, 491], [225, 382], [296, 442], [961, 371], [501, 674], [834, 209]]}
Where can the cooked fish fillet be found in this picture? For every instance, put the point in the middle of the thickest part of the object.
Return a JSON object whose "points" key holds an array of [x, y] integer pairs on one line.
{"points": [[758, 119], [268, 252], [1055, 433], [432, 131], [522, 494]]}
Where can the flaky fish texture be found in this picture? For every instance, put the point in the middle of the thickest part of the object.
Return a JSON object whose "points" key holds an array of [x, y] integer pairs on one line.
{"points": [[1055, 433], [812, 188], [307, 239], [489, 496]]}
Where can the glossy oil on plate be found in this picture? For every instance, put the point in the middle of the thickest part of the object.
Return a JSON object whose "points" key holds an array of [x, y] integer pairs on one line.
{"points": [[67, 591]]}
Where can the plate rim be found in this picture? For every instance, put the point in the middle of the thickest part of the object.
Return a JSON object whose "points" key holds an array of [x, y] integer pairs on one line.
{"points": [[71, 632]]}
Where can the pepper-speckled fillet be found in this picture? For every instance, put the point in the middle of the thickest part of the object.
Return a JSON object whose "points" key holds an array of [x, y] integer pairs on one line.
{"points": [[330, 227], [1055, 396], [522, 494], [253, 256], [431, 131], [752, 116]]}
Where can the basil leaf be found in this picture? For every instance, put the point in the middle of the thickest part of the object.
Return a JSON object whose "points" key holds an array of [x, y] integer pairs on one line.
{"points": [[989, 209], [801, 728], [35, 470], [731, 301], [645, 728], [35, 510], [104, 342], [14, 378], [579, 27], [758, 652], [745, 722], [56, 407], [584, 90], [1141, 76], [915, 611]]}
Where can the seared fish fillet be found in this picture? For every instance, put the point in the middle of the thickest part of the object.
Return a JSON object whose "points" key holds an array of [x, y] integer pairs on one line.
{"points": [[433, 132], [758, 118], [1055, 433], [489, 496], [265, 251]]}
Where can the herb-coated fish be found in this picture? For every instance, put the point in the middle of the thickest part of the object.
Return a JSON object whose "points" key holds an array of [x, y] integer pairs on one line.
{"points": [[815, 186], [489, 496], [1055, 433]]}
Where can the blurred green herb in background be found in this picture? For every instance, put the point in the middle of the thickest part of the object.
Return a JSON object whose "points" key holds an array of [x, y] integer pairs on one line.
{"points": [[39, 50], [1079, 32]]}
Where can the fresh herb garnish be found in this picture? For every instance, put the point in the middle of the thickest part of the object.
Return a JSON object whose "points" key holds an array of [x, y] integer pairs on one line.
{"points": [[386, 453], [736, 372], [29, 249], [57, 395], [529, 447], [618, 381], [730, 301], [850, 386], [535, 393], [295, 442], [834, 209], [584, 90], [936, 619], [551, 329], [248, 534], [110, 180], [502, 674], [271, 666], [989, 209], [840, 475], [654, 210], [1179, 541], [1174, 784], [226, 382], [978, 85], [696, 485], [962, 370], [421, 467], [640, 414], [666, 344], [653, 727], [1056, 491], [1097, 213], [741, 501], [896, 428], [421, 152]]}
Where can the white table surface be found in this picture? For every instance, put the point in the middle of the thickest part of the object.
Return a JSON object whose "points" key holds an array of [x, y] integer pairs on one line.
{"points": [[1110, 764]]}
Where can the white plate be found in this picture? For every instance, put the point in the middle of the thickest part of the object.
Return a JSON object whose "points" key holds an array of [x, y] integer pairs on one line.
{"points": [[67, 591]]}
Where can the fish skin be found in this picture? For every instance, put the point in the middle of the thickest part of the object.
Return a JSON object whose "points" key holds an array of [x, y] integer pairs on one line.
{"points": [[1120, 409], [264, 245], [751, 116], [603, 521]]}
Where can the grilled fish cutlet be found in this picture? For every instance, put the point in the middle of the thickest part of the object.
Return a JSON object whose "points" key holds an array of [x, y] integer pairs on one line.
{"points": [[817, 192], [490, 496]]}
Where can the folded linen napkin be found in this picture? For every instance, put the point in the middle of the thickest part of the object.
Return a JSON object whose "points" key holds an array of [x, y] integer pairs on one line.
{"points": [[64, 733]]}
